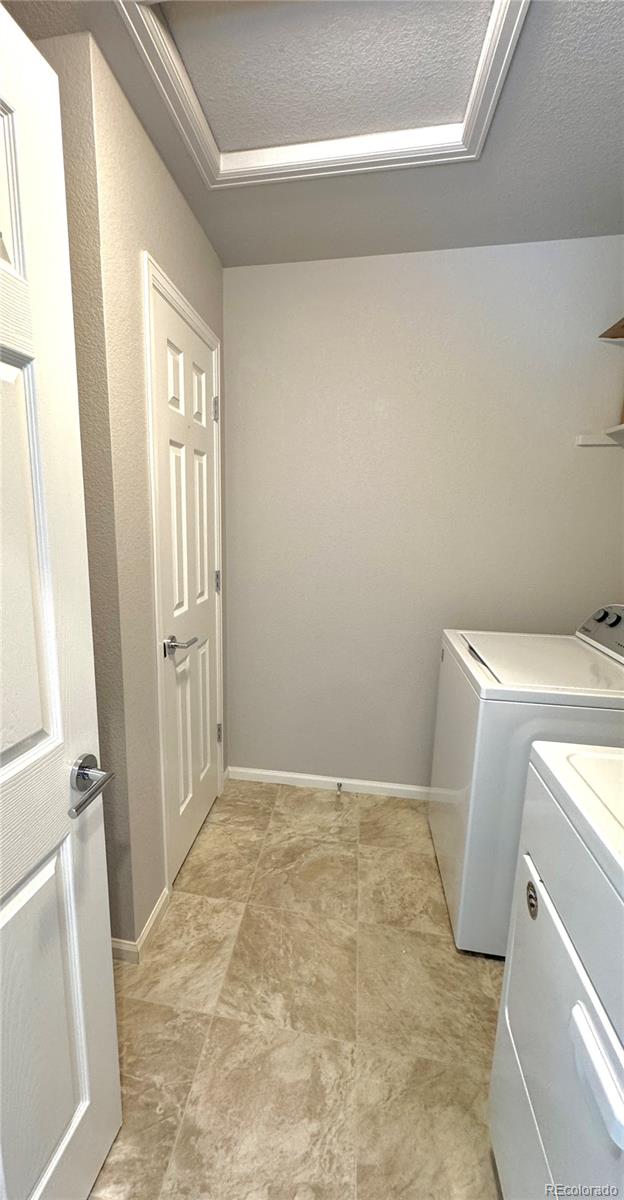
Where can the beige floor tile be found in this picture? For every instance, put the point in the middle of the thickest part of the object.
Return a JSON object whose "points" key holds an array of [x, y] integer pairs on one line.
{"points": [[295, 969], [307, 874], [158, 1043], [186, 960], [419, 994], [391, 822], [270, 1117], [251, 789], [491, 972], [123, 972], [402, 888], [422, 1129], [318, 814], [271, 1108], [221, 863], [243, 806], [136, 1165]]}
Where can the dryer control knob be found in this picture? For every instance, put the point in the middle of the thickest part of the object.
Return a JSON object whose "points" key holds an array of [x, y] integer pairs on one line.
{"points": [[601, 614], [613, 620]]}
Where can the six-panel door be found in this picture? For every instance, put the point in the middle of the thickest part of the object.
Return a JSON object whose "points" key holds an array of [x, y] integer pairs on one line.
{"points": [[185, 366], [60, 1104]]}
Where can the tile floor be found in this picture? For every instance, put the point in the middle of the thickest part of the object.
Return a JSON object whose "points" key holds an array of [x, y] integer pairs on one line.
{"points": [[302, 1027]]}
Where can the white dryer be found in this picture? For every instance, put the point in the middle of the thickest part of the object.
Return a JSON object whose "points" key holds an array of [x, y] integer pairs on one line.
{"points": [[498, 693], [557, 1092]]}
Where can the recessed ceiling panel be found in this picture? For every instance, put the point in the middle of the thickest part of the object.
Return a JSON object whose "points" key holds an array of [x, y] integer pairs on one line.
{"points": [[279, 73], [552, 168]]}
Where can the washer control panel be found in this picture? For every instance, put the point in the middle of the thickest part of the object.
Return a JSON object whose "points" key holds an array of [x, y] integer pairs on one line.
{"points": [[605, 629]]}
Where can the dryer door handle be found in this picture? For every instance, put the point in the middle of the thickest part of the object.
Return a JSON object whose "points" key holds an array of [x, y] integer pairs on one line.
{"points": [[594, 1068]]}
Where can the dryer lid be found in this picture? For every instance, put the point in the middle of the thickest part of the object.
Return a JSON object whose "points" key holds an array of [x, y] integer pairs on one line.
{"points": [[588, 784], [603, 771], [546, 662]]}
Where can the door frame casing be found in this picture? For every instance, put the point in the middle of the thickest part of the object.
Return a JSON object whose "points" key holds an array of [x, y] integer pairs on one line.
{"points": [[155, 280]]}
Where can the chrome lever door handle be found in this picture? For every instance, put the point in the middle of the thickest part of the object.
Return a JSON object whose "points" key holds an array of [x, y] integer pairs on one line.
{"points": [[89, 781], [171, 644]]}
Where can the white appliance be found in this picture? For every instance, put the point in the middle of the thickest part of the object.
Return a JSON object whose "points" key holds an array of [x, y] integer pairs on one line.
{"points": [[557, 1093], [498, 693]]}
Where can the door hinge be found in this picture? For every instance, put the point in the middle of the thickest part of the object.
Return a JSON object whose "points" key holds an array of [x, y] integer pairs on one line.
{"points": [[219, 732], [217, 581], [215, 408]]}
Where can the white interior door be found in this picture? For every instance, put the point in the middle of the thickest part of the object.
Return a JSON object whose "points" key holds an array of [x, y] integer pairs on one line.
{"points": [[60, 1106], [184, 392]]}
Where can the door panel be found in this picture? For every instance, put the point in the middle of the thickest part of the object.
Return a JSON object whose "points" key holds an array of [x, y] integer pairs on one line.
{"points": [[199, 395], [179, 522], [25, 717], [201, 497], [44, 1099], [59, 1075], [184, 380], [185, 735], [205, 721]]}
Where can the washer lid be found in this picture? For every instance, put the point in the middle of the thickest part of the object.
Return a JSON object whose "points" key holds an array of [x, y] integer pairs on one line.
{"points": [[546, 662]]}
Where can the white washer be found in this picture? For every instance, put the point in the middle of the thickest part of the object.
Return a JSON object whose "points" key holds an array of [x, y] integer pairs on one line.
{"points": [[498, 693], [557, 1092]]}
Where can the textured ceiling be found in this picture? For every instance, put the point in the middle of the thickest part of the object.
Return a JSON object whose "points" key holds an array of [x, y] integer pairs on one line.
{"points": [[552, 166], [273, 73]]}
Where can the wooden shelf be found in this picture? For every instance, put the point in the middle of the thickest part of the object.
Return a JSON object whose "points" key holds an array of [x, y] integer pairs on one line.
{"points": [[614, 436], [615, 334]]}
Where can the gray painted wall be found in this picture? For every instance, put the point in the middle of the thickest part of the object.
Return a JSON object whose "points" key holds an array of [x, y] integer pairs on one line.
{"points": [[400, 458], [121, 201]]}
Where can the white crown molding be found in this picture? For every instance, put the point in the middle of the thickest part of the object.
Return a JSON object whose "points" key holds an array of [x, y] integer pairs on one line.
{"points": [[459, 142], [504, 28], [162, 60]]}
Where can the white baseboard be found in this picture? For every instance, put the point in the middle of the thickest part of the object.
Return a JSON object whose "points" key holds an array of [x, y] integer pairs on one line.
{"points": [[125, 951], [369, 787], [131, 951]]}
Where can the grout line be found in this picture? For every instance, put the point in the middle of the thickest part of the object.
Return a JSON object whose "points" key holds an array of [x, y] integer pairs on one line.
{"points": [[206, 1039], [244, 904], [247, 903], [317, 840], [213, 1014], [259, 1022], [262, 844], [311, 913], [212, 1019], [186, 1103]]}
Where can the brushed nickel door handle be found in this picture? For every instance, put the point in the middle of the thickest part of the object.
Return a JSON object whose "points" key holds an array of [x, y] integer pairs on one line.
{"points": [[88, 781], [171, 644]]}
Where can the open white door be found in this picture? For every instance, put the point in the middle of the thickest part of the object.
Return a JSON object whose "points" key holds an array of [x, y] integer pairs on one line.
{"points": [[183, 371], [60, 1101]]}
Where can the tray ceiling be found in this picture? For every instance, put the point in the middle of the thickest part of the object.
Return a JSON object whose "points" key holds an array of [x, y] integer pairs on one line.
{"points": [[270, 74], [552, 166], [458, 55]]}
